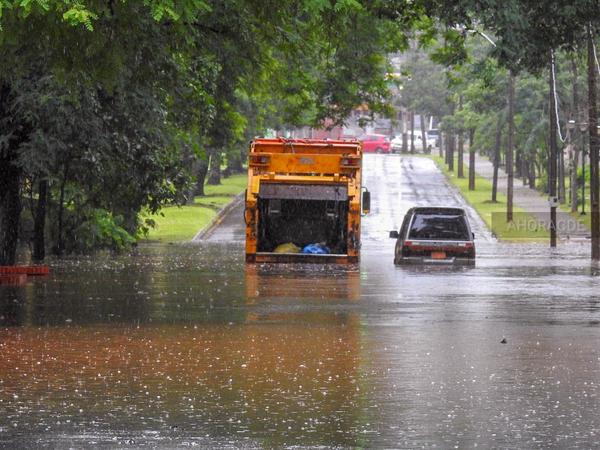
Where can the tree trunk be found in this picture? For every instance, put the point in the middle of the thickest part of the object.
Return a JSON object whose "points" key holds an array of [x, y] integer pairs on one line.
{"points": [[214, 167], [234, 163], [594, 144], [412, 133], [524, 168], [531, 173], [552, 159], [461, 150], [471, 160], [39, 225], [461, 144], [10, 184], [447, 148], [496, 159], [10, 208], [405, 125], [442, 144], [424, 135], [60, 244], [451, 145], [509, 147], [574, 184], [201, 177]]}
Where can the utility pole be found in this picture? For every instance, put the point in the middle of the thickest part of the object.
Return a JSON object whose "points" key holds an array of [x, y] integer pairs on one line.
{"points": [[552, 156], [574, 147], [510, 145], [593, 131]]}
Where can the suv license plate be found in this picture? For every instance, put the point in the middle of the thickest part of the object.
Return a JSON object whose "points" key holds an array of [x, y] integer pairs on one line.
{"points": [[438, 255]]}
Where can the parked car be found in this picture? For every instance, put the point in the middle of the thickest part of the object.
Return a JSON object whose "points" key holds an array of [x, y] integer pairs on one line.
{"points": [[433, 135], [434, 235], [396, 143], [375, 143]]}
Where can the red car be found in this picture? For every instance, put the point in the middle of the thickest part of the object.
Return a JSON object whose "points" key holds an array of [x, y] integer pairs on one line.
{"points": [[375, 143]]}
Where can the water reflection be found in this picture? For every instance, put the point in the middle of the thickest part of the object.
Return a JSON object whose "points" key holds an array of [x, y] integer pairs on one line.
{"points": [[152, 343], [177, 346], [293, 381], [321, 282]]}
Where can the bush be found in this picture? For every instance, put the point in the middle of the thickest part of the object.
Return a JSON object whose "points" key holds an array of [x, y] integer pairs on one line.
{"points": [[101, 230]]}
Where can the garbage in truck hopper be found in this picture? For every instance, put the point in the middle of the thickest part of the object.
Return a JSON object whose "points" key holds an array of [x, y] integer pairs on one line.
{"points": [[288, 247], [316, 249]]}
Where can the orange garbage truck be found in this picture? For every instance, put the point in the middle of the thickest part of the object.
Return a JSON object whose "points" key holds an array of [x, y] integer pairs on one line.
{"points": [[304, 201]]}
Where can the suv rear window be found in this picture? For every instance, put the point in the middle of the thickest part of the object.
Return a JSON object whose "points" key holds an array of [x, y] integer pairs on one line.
{"points": [[451, 227]]}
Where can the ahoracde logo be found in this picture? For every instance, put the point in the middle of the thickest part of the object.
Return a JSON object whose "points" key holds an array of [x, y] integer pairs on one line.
{"points": [[524, 224]]}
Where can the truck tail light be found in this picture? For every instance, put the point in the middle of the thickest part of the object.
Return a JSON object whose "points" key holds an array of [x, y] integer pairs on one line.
{"points": [[350, 162], [259, 160]]}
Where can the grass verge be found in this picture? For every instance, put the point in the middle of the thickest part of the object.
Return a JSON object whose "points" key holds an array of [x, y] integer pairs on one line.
{"points": [[181, 223], [480, 200], [585, 219]]}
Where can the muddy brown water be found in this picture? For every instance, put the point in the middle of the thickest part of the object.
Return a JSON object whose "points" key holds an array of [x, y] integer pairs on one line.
{"points": [[184, 345]]}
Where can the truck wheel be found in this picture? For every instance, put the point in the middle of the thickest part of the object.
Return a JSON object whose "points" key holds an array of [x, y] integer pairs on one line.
{"points": [[378, 150]]}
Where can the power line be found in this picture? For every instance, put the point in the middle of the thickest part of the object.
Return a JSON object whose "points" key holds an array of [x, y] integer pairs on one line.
{"points": [[556, 99]]}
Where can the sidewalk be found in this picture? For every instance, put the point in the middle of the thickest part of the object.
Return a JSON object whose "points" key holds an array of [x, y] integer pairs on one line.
{"points": [[531, 201]]}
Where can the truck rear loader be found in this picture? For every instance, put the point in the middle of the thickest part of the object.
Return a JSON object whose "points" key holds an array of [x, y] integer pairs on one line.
{"points": [[303, 192]]}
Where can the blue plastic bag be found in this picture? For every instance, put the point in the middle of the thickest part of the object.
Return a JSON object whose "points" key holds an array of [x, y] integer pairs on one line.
{"points": [[316, 249]]}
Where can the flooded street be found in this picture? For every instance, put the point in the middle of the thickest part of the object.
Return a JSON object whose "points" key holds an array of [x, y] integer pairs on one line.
{"points": [[185, 345]]}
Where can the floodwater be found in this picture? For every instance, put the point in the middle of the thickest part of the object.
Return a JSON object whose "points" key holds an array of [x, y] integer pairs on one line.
{"points": [[184, 345]]}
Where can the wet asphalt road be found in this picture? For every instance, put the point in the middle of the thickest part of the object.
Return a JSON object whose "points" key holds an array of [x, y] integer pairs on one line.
{"points": [[178, 346]]}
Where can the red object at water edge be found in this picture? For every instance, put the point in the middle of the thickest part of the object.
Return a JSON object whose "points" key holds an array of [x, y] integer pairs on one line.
{"points": [[24, 270]]}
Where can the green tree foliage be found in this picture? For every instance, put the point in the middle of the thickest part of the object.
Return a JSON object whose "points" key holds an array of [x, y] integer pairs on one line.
{"points": [[117, 106]]}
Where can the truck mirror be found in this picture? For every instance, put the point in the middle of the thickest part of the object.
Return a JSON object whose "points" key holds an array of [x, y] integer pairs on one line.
{"points": [[394, 234], [366, 202]]}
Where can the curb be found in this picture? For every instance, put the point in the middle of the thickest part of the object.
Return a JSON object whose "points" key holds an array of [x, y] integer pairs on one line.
{"points": [[216, 221]]}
